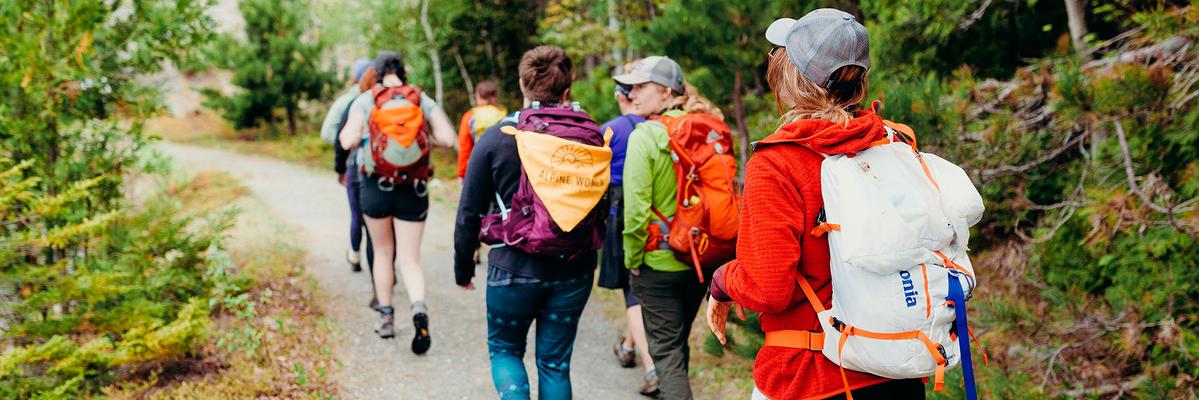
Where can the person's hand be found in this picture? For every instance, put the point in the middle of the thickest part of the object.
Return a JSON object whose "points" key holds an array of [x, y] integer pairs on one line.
{"points": [[341, 179], [718, 315], [468, 286]]}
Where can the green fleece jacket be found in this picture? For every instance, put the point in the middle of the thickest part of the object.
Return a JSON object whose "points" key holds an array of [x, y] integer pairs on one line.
{"points": [[648, 182]]}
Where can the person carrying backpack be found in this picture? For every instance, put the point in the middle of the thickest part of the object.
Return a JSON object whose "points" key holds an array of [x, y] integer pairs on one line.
{"points": [[660, 229], [343, 159], [487, 112], [613, 274], [544, 171], [394, 125], [857, 286]]}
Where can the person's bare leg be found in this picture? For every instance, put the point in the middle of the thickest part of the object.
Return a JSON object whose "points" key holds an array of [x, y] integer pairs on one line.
{"points": [[637, 332], [408, 241], [408, 235], [383, 269]]}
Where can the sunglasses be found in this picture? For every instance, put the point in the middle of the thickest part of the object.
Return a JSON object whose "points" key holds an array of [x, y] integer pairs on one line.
{"points": [[624, 89]]}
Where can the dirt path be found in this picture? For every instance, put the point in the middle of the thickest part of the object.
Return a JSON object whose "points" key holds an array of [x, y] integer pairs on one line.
{"points": [[456, 367]]}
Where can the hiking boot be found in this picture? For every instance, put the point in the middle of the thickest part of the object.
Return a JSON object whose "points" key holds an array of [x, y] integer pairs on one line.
{"points": [[355, 262], [420, 321], [386, 329], [624, 355], [650, 386]]}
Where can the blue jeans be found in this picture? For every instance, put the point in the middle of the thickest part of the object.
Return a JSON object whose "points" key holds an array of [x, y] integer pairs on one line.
{"points": [[511, 309]]}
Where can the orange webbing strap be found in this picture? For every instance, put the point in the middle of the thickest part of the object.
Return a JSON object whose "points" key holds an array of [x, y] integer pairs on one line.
{"points": [[928, 300], [879, 142], [980, 347], [905, 130], [660, 215], [824, 228], [803, 340], [949, 264], [927, 172], [810, 294], [850, 330], [699, 271], [841, 346]]}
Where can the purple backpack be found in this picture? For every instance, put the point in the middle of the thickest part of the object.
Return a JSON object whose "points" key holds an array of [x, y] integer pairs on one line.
{"points": [[525, 224]]}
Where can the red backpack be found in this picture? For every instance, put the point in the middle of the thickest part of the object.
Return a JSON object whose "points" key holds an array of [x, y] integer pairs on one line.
{"points": [[399, 138], [703, 232]]}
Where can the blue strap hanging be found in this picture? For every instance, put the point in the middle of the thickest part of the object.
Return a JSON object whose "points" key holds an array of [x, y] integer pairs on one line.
{"points": [[958, 296]]}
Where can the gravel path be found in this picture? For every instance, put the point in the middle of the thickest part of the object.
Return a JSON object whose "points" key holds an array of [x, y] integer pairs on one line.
{"points": [[311, 202]]}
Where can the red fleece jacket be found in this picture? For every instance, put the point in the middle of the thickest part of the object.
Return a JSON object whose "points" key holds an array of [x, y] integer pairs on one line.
{"points": [[781, 203]]}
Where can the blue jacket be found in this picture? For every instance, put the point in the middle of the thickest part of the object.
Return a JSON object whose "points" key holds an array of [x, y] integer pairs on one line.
{"points": [[621, 126]]}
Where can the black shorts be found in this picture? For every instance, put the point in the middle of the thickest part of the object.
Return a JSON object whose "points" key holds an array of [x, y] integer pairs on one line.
{"points": [[403, 202], [613, 274]]}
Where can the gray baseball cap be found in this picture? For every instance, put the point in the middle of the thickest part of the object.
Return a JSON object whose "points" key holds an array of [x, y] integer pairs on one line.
{"points": [[822, 42], [657, 69]]}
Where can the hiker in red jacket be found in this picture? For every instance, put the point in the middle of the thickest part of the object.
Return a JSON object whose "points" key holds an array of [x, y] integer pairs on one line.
{"points": [[818, 76]]}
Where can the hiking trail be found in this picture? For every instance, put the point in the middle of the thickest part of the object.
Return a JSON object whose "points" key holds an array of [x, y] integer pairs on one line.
{"points": [[313, 205]]}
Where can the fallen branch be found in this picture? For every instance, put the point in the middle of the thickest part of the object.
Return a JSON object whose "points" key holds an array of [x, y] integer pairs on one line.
{"points": [[1008, 170], [1132, 186], [1160, 50], [974, 16], [1104, 389]]}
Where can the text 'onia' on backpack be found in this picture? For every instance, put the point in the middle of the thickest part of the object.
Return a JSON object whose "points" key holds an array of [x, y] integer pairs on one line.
{"points": [[703, 230], [399, 139], [898, 227], [560, 206]]}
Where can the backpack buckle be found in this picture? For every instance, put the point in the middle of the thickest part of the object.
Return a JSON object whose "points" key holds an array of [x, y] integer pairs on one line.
{"points": [[421, 187], [386, 184], [837, 324]]}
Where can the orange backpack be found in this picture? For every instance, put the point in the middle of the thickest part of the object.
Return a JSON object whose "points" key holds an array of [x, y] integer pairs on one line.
{"points": [[703, 232], [399, 138]]}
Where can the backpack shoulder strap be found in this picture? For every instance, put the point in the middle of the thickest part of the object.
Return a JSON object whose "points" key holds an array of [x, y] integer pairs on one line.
{"points": [[412, 93]]}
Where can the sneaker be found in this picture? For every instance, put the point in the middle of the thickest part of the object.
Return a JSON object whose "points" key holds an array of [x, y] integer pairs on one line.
{"points": [[386, 329], [352, 258], [650, 386], [624, 355], [421, 341]]}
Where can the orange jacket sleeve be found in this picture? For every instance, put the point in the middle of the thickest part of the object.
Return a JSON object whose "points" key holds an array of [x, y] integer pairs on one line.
{"points": [[762, 278], [466, 142]]}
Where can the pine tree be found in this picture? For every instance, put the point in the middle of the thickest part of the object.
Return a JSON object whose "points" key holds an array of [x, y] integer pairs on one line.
{"points": [[277, 65]]}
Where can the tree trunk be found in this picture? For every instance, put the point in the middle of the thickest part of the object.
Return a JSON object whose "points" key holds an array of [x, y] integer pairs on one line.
{"points": [[470, 86], [291, 121], [1076, 11], [739, 117], [614, 27], [433, 53]]}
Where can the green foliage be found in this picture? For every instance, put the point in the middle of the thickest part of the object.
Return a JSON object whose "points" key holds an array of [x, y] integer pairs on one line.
{"points": [[596, 95], [69, 69], [277, 66], [131, 289]]}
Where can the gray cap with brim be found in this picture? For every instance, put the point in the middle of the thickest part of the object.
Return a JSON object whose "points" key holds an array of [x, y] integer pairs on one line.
{"points": [[657, 69], [822, 42]]}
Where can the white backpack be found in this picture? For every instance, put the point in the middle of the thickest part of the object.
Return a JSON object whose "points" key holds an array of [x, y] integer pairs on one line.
{"points": [[898, 223]]}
